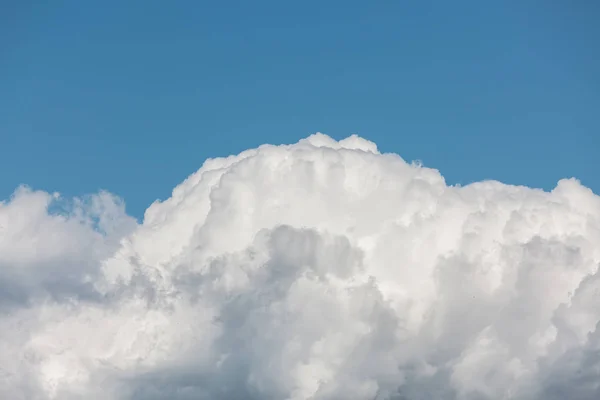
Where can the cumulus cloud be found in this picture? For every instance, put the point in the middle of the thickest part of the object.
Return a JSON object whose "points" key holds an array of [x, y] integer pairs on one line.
{"points": [[319, 270]]}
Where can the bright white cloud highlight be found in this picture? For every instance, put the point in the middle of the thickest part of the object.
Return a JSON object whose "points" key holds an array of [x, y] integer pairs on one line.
{"points": [[319, 270]]}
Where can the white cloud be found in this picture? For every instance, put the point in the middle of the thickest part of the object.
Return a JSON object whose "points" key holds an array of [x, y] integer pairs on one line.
{"points": [[319, 270]]}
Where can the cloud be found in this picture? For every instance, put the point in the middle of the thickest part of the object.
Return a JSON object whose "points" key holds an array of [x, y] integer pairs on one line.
{"points": [[319, 270]]}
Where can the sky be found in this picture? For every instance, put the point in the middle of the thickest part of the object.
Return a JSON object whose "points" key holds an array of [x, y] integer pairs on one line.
{"points": [[240, 216], [132, 97]]}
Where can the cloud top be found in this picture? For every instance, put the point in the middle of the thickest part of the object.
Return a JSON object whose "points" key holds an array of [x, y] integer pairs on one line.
{"points": [[318, 270]]}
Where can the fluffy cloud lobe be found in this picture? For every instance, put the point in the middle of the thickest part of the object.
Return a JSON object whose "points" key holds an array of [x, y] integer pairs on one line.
{"points": [[318, 270]]}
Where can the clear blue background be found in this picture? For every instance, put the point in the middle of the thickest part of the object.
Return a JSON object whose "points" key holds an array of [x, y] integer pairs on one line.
{"points": [[132, 96]]}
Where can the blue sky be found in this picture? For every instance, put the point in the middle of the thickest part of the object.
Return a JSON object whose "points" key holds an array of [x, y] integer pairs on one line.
{"points": [[132, 96]]}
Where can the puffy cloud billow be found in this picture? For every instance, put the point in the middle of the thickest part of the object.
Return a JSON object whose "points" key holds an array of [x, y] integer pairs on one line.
{"points": [[318, 270]]}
